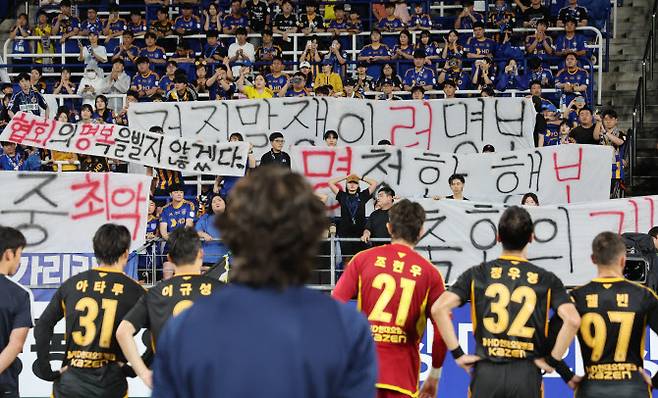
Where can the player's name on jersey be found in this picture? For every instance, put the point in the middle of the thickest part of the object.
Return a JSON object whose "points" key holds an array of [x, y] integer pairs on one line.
{"points": [[122, 143], [455, 125], [557, 174]]}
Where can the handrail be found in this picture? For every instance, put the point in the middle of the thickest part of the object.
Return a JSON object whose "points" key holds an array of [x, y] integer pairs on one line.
{"points": [[352, 53]]}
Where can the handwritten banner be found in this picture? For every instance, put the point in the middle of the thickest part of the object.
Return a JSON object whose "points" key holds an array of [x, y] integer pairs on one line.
{"points": [[460, 234], [455, 126], [557, 174], [122, 143], [60, 212]]}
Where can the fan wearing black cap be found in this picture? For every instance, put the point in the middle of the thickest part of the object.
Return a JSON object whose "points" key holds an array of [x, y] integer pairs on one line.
{"points": [[182, 92], [419, 75], [349, 87], [479, 46], [276, 154], [387, 88], [363, 81], [178, 213], [327, 77]]}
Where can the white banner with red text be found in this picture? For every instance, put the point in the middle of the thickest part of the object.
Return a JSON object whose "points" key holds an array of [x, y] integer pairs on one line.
{"points": [[130, 145], [462, 125], [557, 174]]}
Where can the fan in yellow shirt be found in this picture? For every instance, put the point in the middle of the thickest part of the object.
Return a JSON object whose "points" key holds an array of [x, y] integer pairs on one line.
{"points": [[329, 78], [258, 90]]}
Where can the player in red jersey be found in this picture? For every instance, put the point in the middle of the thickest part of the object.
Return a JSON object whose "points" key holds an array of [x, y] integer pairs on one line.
{"points": [[396, 287]]}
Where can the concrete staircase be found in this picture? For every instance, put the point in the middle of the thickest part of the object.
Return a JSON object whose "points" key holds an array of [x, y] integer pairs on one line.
{"points": [[620, 84]]}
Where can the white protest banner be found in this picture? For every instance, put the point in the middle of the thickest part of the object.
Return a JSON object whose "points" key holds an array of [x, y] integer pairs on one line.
{"points": [[119, 142], [460, 234], [461, 125], [557, 174], [60, 212]]}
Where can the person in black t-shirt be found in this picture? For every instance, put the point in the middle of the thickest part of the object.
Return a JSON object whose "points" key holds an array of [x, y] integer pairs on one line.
{"points": [[584, 133], [376, 224], [457, 182], [276, 154], [352, 210], [15, 311], [168, 298], [259, 15]]}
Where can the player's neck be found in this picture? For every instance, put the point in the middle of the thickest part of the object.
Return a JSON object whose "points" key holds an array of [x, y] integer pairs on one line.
{"points": [[5, 267], [609, 272], [118, 266], [403, 243], [188, 269], [515, 253]]}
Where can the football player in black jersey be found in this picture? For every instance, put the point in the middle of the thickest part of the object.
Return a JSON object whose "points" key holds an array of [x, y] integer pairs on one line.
{"points": [[510, 301], [93, 303], [168, 298], [615, 313]]}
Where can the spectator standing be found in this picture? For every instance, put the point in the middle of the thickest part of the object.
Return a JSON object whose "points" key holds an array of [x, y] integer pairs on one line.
{"points": [[91, 85], [352, 203], [570, 42], [340, 24], [145, 82], [214, 50], [390, 23], [535, 13], [276, 79], [235, 19], [212, 18], [116, 82], [501, 16], [574, 11], [92, 23], [479, 46], [93, 53], [420, 20], [114, 27], [571, 80], [337, 57], [539, 44], [65, 86], [220, 83], [286, 21], [608, 133], [268, 51], [259, 15], [584, 132], [467, 18], [20, 46], [373, 53], [311, 22], [178, 213], [213, 249], [66, 25], [241, 52], [27, 99], [376, 224], [276, 155], [15, 312], [44, 30]]}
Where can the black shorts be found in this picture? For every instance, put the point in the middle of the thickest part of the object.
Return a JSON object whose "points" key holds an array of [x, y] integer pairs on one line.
{"points": [[506, 380], [106, 382], [613, 389]]}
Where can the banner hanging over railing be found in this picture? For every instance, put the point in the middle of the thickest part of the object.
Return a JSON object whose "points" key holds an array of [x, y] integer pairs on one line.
{"points": [[461, 125], [60, 212], [130, 145], [460, 234], [557, 174]]}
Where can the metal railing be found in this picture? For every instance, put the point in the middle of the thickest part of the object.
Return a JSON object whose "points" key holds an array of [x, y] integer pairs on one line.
{"points": [[295, 53]]}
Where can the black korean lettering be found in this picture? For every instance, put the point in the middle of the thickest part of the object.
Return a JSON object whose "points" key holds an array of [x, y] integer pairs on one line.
{"points": [[37, 190], [506, 125]]}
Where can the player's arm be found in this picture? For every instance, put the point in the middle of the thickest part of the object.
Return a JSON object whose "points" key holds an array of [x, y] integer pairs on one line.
{"points": [[129, 326], [568, 313], [439, 349], [43, 333], [348, 284], [13, 348]]}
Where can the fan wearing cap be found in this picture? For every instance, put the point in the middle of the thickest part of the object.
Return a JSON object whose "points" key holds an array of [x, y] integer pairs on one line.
{"points": [[182, 92], [305, 69], [352, 200], [479, 46], [178, 213], [276, 155], [327, 77], [387, 87], [574, 11], [570, 112], [145, 82], [572, 80], [550, 136], [570, 42], [349, 89], [363, 81], [420, 75], [374, 52]]}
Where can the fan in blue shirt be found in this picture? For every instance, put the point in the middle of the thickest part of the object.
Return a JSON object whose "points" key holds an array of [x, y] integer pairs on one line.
{"points": [[479, 46], [178, 213], [419, 75], [92, 23], [213, 250], [570, 41], [266, 326], [420, 19], [373, 53], [136, 25], [187, 24], [276, 80], [571, 80]]}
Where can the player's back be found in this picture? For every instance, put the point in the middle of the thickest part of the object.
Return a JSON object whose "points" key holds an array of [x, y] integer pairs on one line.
{"points": [[614, 315], [510, 303], [94, 302], [396, 288], [169, 298]]}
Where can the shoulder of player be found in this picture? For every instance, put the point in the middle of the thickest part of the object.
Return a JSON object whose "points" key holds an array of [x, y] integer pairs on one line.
{"points": [[641, 287], [363, 254]]}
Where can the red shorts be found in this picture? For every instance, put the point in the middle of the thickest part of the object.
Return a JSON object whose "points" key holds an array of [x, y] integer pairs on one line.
{"points": [[386, 393]]}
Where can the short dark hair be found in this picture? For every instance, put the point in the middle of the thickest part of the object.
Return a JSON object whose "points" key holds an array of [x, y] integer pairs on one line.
{"points": [[515, 228], [533, 82], [585, 108], [329, 133], [459, 177], [478, 24], [418, 88], [142, 60], [653, 232], [609, 112], [151, 35], [11, 239], [240, 30], [184, 245], [607, 247], [275, 135], [530, 195], [212, 33], [406, 219], [384, 142], [285, 222], [156, 129], [23, 76], [111, 241], [387, 190], [118, 61], [237, 135], [128, 33]]}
